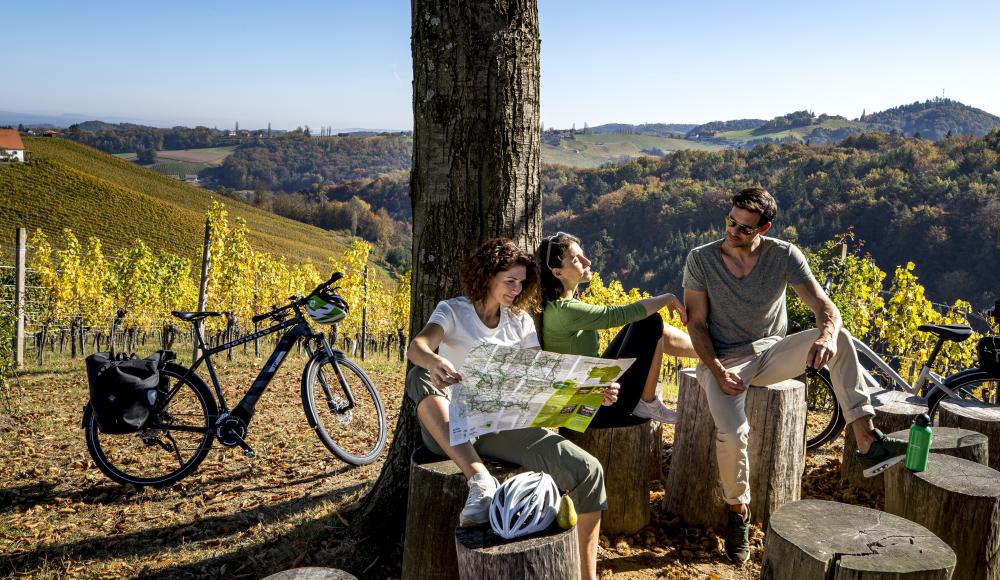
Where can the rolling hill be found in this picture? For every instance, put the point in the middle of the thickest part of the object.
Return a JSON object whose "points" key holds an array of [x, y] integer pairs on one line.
{"points": [[68, 185], [594, 150]]}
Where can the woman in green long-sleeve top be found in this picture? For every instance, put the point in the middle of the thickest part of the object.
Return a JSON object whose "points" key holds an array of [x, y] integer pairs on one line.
{"points": [[570, 326]]}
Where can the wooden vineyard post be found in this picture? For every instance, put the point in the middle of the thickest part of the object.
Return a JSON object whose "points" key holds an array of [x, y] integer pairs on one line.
{"points": [[19, 270]]}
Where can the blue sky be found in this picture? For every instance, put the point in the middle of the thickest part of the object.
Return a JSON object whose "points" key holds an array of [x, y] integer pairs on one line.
{"points": [[346, 64]]}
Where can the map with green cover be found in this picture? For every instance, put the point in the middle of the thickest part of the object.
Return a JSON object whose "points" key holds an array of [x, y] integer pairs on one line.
{"points": [[507, 388]]}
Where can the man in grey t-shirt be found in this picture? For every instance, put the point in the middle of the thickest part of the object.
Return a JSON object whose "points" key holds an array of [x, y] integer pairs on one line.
{"points": [[734, 291]]}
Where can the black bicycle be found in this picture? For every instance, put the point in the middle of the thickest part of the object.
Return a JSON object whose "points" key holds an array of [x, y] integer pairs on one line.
{"points": [[340, 401]]}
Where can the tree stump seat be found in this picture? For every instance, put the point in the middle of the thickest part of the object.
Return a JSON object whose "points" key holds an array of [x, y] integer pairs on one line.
{"points": [[311, 573], [437, 492], [975, 416], [894, 411], [777, 417], [553, 554], [956, 442], [957, 499], [816, 539], [626, 454]]}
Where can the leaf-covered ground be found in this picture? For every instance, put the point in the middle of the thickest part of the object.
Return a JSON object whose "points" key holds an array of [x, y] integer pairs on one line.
{"points": [[246, 518]]}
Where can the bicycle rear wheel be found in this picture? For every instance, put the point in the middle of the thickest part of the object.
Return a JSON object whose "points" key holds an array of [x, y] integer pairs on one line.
{"points": [[173, 443], [824, 419], [356, 435], [973, 384]]}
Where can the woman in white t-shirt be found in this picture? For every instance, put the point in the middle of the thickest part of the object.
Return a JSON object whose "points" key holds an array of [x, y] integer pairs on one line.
{"points": [[500, 282]]}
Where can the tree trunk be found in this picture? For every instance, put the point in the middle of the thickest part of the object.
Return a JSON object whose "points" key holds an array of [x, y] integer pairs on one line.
{"points": [[552, 555], [825, 539], [776, 415], [959, 501], [894, 411], [624, 453], [974, 416], [476, 154]]}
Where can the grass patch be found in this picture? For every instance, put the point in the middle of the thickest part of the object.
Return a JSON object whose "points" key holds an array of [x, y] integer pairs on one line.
{"points": [[594, 150]]}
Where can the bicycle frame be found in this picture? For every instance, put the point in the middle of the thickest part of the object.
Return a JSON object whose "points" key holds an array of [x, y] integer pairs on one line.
{"points": [[926, 376], [295, 329]]}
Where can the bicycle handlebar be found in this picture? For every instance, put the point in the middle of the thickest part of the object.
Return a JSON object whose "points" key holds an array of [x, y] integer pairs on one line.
{"points": [[298, 300]]}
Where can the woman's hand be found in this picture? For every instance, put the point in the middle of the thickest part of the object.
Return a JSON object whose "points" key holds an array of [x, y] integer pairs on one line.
{"points": [[610, 394], [675, 305], [443, 373]]}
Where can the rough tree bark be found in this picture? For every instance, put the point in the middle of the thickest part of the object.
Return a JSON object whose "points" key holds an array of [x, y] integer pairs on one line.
{"points": [[476, 152]]}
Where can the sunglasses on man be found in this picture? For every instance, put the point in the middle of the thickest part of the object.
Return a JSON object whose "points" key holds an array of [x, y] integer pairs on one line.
{"points": [[743, 228]]}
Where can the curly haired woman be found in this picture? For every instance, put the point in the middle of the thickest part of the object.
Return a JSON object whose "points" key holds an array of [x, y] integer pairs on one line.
{"points": [[500, 283]]}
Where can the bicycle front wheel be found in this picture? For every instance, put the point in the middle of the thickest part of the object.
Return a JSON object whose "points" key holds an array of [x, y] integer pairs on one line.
{"points": [[173, 442], [357, 434], [824, 419], [974, 384]]}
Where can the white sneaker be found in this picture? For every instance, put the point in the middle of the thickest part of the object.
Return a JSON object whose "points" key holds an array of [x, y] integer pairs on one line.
{"points": [[655, 410], [477, 505]]}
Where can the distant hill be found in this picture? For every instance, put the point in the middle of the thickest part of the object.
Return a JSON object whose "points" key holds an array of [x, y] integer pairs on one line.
{"points": [[68, 185], [595, 150], [932, 203], [298, 162], [657, 129], [710, 129], [934, 119]]}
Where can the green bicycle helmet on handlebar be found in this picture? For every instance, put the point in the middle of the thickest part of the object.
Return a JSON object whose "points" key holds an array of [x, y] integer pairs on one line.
{"points": [[326, 307]]}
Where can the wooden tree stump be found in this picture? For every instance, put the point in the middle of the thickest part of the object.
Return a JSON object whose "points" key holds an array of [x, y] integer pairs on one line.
{"points": [[624, 453], [815, 539], [312, 573], [550, 555], [894, 411], [957, 499], [437, 492], [975, 416], [956, 442], [655, 460], [777, 417]]}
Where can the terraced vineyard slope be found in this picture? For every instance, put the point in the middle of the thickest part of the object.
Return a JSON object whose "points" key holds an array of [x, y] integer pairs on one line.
{"points": [[68, 185]]}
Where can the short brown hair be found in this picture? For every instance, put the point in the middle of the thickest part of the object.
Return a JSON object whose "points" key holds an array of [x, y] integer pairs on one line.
{"points": [[493, 257], [757, 199]]}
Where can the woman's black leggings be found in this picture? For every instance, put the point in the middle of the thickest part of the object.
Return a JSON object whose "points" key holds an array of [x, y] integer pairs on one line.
{"points": [[636, 340]]}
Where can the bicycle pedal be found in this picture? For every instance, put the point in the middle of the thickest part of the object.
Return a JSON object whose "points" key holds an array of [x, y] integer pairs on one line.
{"points": [[250, 453]]}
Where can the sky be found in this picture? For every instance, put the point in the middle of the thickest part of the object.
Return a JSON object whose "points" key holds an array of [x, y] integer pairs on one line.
{"points": [[346, 63]]}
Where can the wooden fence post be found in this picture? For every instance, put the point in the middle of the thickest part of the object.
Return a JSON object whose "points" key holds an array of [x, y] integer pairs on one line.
{"points": [[206, 261], [364, 315], [21, 252]]}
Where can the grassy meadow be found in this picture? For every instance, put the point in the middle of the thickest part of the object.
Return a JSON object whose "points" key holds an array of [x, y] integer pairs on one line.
{"points": [[593, 150]]}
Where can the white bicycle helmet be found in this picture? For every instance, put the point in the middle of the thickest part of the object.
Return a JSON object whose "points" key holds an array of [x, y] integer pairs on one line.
{"points": [[326, 307], [524, 504]]}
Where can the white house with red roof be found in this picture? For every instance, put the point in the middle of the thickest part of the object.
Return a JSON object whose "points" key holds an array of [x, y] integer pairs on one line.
{"points": [[11, 146]]}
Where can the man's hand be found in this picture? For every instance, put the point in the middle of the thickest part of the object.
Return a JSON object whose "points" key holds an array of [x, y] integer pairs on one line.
{"points": [[824, 349], [675, 305], [443, 373], [610, 394], [730, 382]]}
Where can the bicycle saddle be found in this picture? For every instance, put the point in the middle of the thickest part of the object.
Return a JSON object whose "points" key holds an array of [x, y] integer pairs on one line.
{"points": [[955, 332], [192, 316]]}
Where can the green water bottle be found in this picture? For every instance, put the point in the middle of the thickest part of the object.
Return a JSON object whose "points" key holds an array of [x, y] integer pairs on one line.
{"points": [[919, 447]]}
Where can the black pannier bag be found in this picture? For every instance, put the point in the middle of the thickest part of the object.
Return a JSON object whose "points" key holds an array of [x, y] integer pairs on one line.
{"points": [[988, 349], [123, 391]]}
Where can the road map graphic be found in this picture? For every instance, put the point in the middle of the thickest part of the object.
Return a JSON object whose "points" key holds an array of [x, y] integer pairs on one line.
{"points": [[505, 388]]}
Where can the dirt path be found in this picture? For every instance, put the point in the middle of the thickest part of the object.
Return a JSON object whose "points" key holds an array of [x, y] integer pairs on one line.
{"points": [[242, 518]]}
